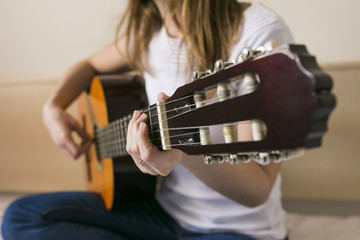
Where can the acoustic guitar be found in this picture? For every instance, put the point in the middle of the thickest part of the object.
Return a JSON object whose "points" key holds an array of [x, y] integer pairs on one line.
{"points": [[286, 99]]}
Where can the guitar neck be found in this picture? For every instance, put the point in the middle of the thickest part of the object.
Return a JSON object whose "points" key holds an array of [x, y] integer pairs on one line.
{"points": [[111, 139]]}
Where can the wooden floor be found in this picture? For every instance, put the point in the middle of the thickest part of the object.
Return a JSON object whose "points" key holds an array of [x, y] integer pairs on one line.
{"points": [[305, 219]]}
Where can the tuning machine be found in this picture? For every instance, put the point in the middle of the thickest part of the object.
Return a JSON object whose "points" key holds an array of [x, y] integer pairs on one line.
{"points": [[263, 158], [233, 158], [220, 64], [211, 159], [197, 74], [248, 53]]}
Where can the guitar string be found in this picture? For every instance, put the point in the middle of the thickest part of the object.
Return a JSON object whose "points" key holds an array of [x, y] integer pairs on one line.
{"points": [[210, 101], [128, 117], [122, 140], [111, 130], [117, 147], [119, 140], [145, 110]]}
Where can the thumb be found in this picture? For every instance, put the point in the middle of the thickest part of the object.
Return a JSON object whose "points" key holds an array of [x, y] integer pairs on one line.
{"points": [[162, 96]]}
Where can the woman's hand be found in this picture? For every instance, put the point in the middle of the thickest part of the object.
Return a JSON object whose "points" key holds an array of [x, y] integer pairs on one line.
{"points": [[60, 126], [148, 157]]}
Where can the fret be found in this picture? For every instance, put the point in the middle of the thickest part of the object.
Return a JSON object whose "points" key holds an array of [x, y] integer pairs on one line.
{"points": [[155, 133], [119, 137], [123, 127], [111, 139], [122, 142], [151, 130]]}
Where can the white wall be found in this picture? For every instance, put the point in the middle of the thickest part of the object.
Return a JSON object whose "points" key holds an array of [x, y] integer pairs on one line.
{"points": [[41, 38]]}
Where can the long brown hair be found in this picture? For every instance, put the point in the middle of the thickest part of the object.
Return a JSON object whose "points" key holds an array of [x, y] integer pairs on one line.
{"points": [[209, 27]]}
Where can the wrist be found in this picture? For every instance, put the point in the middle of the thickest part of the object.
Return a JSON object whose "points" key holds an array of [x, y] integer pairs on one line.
{"points": [[48, 108]]}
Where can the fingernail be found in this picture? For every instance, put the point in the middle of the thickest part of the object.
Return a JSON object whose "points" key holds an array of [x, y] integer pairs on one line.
{"points": [[143, 116], [136, 114]]}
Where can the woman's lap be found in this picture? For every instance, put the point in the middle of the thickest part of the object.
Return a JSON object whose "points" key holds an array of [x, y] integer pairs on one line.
{"points": [[82, 215]]}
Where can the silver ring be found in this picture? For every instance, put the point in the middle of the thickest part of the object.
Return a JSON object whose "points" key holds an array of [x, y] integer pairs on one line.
{"points": [[141, 162]]}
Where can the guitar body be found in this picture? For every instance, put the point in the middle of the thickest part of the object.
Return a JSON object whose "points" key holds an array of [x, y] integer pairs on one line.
{"points": [[116, 179]]}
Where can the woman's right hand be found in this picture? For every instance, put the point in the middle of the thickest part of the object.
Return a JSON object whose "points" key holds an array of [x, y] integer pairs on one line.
{"points": [[60, 126]]}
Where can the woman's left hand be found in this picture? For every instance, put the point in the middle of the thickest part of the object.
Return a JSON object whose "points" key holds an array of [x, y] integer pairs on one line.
{"points": [[146, 156]]}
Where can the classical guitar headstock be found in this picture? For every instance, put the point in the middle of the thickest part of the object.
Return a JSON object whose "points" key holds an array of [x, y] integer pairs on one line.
{"points": [[284, 97]]}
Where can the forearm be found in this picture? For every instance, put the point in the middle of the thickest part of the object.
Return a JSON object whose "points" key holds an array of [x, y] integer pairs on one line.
{"points": [[75, 80], [246, 183], [108, 60]]}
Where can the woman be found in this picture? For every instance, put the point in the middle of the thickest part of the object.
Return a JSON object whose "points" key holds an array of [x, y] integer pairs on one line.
{"points": [[162, 39]]}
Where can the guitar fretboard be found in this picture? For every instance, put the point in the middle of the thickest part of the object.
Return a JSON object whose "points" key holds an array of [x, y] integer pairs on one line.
{"points": [[111, 139]]}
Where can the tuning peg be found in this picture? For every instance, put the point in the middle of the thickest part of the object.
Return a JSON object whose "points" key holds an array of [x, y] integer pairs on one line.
{"points": [[235, 158], [219, 65], [196, 74], [269, 46], [262, 158], [246, 54], [261, 49], [211, 159], [229, 63], [207, 72]]}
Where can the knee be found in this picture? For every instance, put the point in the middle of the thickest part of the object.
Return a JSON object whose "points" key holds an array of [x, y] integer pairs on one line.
{"points": [[17, 216]]}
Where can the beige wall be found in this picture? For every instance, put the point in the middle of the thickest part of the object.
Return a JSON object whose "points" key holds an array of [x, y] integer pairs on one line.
{"points": [[332, 171], [41, 38], [28, 159], [327, 27]]}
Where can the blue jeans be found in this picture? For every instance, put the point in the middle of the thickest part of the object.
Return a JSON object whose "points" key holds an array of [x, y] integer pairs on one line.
{"points": [[82, 215]]}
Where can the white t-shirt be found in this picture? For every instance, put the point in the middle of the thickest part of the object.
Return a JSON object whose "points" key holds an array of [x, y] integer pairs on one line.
{"points": [[194, 205]]}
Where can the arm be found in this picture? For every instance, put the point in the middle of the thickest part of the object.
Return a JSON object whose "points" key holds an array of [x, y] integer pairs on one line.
{"points": [[248, 184], [60, 124]]}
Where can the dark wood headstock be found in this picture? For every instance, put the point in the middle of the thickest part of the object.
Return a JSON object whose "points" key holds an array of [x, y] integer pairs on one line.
{"points": [[292, 99]]}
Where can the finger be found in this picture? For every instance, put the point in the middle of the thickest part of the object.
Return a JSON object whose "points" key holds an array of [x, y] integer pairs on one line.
{"points": [[149, 153], [75, 149], [70, 146], [162, 96], [80, 131], [132, 139], [129, 137], [135, 128], [140, 158], [146, 148], [84, 147]]}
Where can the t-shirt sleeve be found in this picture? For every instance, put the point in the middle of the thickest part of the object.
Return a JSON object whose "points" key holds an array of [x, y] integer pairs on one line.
{"points": [[261, 25]]}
